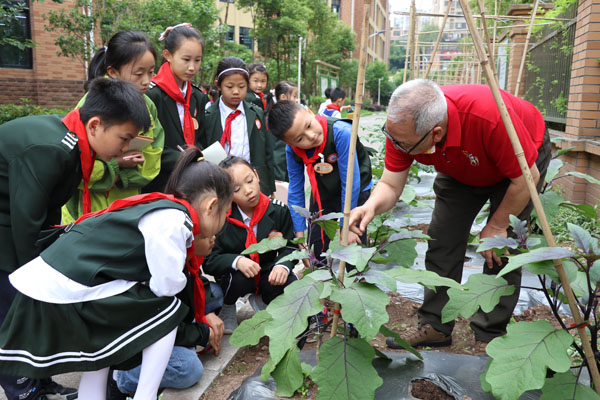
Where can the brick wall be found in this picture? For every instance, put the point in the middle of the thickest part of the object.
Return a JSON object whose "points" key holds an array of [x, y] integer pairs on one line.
{"points": [[54, 81]]}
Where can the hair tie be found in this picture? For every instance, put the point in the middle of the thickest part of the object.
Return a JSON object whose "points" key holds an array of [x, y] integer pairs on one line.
{"points": [[233, 69], [199, 159], [163, 35], [105, 49]]}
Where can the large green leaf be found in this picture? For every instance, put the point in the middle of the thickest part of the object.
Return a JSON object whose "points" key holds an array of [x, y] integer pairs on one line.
{"points": [[425, 278], [290, 312], [352, 254], [345, 370], [519, 227], [580, 286], [251, 330], [406, 234], [547, 268], [302, 211], [521, 357], [564, 386], [266, 245], [288, 373], [480, 291], [330, 227], [550, 201], [380, 278], [319, 275], [595, 271], [553, 168], [587, 210], [363, 305], [385, 331], [583, 239], [497, 242], [587, 177], [403, 252], [408, 194], [539, 254], [295, 255]]}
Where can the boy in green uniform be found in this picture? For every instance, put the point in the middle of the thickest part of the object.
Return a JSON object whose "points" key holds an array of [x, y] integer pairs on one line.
{"points": [[42, 160]]}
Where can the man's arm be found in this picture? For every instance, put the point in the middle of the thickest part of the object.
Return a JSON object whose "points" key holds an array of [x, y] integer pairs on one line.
{"points": [[384, 197], [514, 201]]}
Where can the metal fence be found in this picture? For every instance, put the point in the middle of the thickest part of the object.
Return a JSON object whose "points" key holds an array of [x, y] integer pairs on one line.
{"points": [[548, 70]]}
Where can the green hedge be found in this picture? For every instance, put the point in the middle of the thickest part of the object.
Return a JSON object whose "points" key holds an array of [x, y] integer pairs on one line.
{"points": [[9, 112]]}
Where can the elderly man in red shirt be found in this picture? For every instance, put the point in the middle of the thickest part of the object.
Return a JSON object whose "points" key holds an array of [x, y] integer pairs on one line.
{"points": [[458, 129]]}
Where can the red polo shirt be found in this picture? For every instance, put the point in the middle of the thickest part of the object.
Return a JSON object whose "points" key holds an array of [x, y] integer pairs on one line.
{"points": [[477, 150]]}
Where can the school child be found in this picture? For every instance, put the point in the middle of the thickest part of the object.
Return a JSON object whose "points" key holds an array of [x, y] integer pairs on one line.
{"points": [[252, 218], [285, 90], [334, 109], [259, 80], [129, 56], [238, 125], [180, 104], [321, 145], [327, 101], [213, 95], [42, 161], [113, 276]]}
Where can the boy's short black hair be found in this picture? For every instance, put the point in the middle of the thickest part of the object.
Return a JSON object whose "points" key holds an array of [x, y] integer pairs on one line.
{"points": [[115, 102], [281, 117], [328, 93], [337, 93]]}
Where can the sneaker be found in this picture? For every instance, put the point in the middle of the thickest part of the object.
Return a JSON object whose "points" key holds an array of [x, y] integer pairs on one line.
{"points": [[423, 336], [229, 317], [257, 302], [54, 391], [112, 390]]}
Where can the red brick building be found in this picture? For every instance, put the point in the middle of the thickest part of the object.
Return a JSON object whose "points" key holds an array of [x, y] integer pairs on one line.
{"points": [[40, 74]]}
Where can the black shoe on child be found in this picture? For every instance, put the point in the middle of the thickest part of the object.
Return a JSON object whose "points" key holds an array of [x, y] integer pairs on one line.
{"points": [[112, 390], [53, 391]]}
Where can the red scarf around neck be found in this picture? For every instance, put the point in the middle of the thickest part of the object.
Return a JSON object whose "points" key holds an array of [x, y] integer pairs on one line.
{"points": [[74, 124], [257, 214], [333, 106], [226, 135], [309, 163], [192, 264], [262, 98], [166, 81]]}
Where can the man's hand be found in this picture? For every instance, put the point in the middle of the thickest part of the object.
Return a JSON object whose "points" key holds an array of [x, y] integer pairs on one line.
{"points": [[278, 275], [491, 230], [360, 218], [217, 329], [247, 267]]}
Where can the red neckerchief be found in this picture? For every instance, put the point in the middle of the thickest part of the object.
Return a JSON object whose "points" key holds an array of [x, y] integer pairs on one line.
{"points": [[262, 98], [193, 263], [73, 123], [166, 81], [257, 214], [308, 162], [333, 106], [226, 136]]}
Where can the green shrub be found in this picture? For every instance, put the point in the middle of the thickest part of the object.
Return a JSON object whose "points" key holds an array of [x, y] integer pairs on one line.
{"points": [[559, 224], [8, 112]]}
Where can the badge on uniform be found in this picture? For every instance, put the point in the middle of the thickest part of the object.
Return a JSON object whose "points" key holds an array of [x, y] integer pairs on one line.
{"points": [[323, 168], [196, 124], [274, 234], [258, 124]]}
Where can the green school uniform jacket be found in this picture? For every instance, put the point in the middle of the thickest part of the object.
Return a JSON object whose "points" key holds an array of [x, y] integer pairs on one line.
{"points": [[261, 141], [40, 169], [251, 97], [169, 119], [232, 241]]}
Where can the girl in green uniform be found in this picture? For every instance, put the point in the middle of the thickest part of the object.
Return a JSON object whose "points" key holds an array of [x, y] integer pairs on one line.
{"points": [[129, 56], [259, 81], [239, 125], [180, 104], [113, 277]]}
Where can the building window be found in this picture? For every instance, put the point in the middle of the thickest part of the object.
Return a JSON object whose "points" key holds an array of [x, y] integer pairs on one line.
{"points": [[335, 6], [225, 1], [397, 33], [16, 28], [245, 37], [230, 34]]}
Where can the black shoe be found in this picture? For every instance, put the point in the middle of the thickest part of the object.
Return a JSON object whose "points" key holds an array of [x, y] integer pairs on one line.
{"points": [[54, 391], [112, 390]]}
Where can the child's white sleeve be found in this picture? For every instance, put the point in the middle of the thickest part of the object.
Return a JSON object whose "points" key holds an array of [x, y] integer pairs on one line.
{"points": [[166, 238]]}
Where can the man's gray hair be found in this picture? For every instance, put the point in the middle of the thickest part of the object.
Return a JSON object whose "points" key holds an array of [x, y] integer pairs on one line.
{"points": [[421, 101]]}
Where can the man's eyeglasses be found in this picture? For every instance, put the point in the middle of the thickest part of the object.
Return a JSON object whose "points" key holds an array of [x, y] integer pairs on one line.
{"points": [[397, 144]]}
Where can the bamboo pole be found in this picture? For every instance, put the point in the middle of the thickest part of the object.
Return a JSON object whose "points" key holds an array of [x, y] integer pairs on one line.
{"points": [[498, 17], [417, 53], [535, 6], [535, 198], [411, 38], [487, 38], [496, 3], [351, 153], [439, 38]]}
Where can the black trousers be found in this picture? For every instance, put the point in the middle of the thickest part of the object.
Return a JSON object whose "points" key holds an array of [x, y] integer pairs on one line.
{"points": [[456, 206], [236, 285]]}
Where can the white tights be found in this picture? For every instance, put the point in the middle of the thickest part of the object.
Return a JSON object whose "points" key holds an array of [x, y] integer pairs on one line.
{"points": [[154, 362]]}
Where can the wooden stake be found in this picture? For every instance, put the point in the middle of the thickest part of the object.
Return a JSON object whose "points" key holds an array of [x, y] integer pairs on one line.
{"points": [[535, 6], [487, 38], [417, 53], [439, 38], [411, 27], [352, 152], [411, 38], [535, 198]]}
